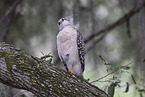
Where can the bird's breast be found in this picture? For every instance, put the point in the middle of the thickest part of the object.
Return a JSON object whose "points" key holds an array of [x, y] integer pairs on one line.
{"points": [[67, 41]]}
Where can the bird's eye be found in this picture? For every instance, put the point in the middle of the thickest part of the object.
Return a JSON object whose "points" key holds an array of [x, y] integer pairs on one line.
{"points": [[63, 19]]}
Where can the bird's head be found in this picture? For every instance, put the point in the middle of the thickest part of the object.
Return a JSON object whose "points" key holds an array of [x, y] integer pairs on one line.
{"points": [[63, 23]]}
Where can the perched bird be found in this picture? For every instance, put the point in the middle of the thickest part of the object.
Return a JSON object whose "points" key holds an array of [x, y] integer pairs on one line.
{"points": [[71, 48]]}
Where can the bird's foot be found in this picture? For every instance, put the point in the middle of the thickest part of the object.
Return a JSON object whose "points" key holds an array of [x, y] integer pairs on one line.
{"points": [[71, 71]]}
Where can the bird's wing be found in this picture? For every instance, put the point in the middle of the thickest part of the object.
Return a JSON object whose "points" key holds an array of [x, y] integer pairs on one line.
{"points": [[81, 49], [65, 65]]}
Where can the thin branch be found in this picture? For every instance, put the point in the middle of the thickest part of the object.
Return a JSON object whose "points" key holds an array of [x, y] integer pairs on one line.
{"points": [[103, 77], [120, 21]]}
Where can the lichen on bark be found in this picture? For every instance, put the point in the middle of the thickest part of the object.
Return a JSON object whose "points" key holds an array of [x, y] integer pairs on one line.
{"points": [[20, 70]]}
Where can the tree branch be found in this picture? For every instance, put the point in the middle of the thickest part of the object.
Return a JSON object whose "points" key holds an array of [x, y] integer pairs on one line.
{"points": [[19, 70], [7, 20], [102, 77], [120, 21]]}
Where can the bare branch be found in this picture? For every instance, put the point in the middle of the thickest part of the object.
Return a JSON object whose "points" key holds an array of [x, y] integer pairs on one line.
{"points": [[120, 21], [102, 77], [7, 19]]}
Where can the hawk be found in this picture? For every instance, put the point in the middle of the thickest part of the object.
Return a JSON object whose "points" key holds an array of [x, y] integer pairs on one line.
{"points": [[71, 48]]}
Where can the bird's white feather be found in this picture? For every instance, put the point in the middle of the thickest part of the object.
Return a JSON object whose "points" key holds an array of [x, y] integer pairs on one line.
{"points": [[67, 47]]}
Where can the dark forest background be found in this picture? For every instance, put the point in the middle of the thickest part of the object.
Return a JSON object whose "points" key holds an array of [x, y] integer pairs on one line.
{"points": [[112, 39]]}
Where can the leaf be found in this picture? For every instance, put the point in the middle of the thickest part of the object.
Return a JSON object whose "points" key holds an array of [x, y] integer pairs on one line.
{"points": [[133, 79], [102, 59], [111, 89], [121, 67], [49, 61], [127, 87], [117, 68], [114, 77], [47, 56], [141, 90], [118, 85], [42, 53], [109, 64], [119, 81], [125, 67]]}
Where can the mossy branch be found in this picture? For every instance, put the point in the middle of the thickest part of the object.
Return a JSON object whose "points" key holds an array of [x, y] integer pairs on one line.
{"points": [[20, 70]]}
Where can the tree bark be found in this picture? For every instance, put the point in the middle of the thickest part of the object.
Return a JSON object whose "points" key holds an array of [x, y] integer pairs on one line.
{"points": [[22, 71]]}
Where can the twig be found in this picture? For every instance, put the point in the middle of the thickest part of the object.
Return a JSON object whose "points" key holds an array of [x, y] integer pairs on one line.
{"points": [[102, 77]]}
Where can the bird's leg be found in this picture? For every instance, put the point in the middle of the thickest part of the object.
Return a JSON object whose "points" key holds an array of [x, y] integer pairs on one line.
{"points": [[71, 71]]}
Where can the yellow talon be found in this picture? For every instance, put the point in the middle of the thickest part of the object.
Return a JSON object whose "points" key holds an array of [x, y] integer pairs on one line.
{"points": [[71, 71]]}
